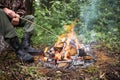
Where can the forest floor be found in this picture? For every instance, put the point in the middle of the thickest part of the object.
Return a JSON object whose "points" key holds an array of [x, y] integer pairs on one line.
{"points": [[107, 67]]}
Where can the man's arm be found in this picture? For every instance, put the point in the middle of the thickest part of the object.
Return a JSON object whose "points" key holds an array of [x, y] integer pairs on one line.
{"points": [[22, 10], [9, 12], [14, 16]]}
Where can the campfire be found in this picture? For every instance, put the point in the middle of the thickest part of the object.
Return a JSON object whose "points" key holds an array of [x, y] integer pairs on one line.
{"points": [[68, 51]]}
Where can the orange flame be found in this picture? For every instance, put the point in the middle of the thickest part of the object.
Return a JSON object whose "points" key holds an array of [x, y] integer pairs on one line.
{"points": [[68, 42]]}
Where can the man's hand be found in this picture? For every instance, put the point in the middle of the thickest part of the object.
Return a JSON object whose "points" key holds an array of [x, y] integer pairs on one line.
{"points": [[15, 20], [9, 12], [12, 15]]}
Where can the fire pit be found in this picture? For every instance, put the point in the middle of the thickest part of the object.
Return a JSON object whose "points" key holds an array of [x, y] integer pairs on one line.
{"points": [[68, 52]]}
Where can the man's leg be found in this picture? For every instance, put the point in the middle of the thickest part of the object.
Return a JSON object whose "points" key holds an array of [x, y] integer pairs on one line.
{"points": [[28, 27], [28, 32], [10, 35], [6, 28]]}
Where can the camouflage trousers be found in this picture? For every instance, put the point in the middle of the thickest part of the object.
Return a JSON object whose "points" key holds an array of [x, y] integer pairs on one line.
{"points": [[9, 31]]}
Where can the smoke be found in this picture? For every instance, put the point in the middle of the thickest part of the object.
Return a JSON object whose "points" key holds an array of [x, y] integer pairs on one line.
{"points": [[88, 16]]}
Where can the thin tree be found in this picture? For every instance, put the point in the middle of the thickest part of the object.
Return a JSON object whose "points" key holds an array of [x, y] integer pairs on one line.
{"points": [[29, 6]]}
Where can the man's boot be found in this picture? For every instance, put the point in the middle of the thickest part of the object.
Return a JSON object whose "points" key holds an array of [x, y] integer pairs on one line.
{"points": [[25, 44], [21, 54]]}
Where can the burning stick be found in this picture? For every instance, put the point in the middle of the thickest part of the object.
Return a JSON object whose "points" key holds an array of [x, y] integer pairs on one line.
{"points": [[66, 46], [66, 51], [68, 61]]}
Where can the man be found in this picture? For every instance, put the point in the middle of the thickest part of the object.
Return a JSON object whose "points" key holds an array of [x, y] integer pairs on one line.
{"points": [[10, 13]]}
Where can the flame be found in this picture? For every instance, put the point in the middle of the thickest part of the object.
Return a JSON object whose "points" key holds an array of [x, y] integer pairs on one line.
{"points": [[67, 49], [45, 58], [67, 44], [46, 49]]}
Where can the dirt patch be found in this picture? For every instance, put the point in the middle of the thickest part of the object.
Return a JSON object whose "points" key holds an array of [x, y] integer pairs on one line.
{"points": [[106, 68]]}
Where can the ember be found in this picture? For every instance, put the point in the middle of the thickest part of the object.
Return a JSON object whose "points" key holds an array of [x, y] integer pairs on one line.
{"points": [[68, 50]]}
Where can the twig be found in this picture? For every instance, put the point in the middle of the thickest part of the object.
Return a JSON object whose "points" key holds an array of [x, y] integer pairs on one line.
{"points": [[39, 26], [68, 61], [64, 61], [15, 76], [101, 76]]}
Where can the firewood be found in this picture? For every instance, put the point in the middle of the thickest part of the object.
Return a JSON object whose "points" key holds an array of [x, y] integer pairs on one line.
{"points": [[88, 57]]}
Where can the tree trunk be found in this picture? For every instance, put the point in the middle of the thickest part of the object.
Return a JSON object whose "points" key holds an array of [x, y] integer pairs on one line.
{"points": [[29, 6]]}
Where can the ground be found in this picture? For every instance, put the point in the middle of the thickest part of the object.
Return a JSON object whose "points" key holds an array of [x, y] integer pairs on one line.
{"points": [[107, 67]]}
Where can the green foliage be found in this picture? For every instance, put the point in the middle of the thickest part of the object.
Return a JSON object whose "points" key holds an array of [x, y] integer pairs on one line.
{"points": [[53, 18], [108, 24], [99, 21]]}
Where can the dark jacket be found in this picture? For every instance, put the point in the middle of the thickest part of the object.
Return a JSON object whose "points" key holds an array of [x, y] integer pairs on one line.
{"points": [[16, 5]]}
